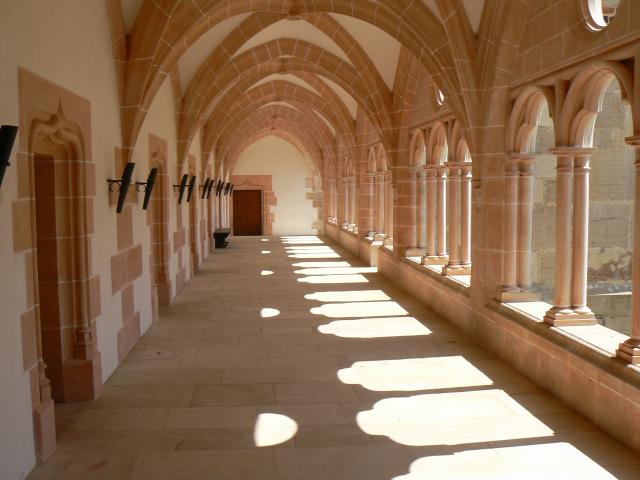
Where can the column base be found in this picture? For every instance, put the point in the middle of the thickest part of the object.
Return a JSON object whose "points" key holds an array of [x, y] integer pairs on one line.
{"points": [[434, 260], [567, 317], [379, 237], [629, 351], [506, 296], [164, 294], [388, 241], [450, 270], [44, 430], [77, 380]]}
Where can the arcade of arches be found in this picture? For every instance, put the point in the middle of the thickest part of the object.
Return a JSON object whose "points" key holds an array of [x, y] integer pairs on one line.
{"points": [[474, 164]]}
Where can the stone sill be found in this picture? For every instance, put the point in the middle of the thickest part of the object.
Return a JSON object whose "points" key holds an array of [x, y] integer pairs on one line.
{"points": [[350, 232], [596, 344], [461, 283]]}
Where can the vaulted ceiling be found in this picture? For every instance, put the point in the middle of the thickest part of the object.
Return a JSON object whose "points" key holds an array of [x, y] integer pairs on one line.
{"points": [[301, 69]]}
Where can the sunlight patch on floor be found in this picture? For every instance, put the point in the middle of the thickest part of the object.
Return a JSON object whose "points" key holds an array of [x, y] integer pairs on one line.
{"points": [[310, 248], [335, 271], [413, 374], [325, 279], [321, 264], [266, 273], [273, 429], [452, 419], [359, 309], [269, 312], [375, 328], [349, 296], [546, 461], [308, 256], [302, 239]]}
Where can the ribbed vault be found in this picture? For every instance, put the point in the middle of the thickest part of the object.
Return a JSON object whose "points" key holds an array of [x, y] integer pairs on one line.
{"points": [[229, 94]]}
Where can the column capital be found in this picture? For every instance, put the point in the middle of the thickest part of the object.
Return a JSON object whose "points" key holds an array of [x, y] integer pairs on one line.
{"points": [[633, 141], [441, 171], [511, 166], [524, 157], [572, 151]]}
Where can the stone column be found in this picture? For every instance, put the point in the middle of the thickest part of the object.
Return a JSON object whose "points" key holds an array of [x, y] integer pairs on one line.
{"points": [[412, 242], [431, 255], [388, 206], [441, 174], [509, 232], [380, 206], [525, 222], [581, 170], [354, 213], [371, 186], [421, 208], [630, 349], [330, 202], [571, 285], [453, 183], [465, 240], [346, 216]]}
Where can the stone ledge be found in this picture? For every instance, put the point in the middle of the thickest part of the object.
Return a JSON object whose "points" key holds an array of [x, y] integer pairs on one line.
{"points": [[445, 280], [588, 348]]}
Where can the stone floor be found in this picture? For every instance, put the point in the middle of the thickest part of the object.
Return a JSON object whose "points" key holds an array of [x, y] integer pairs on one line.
{"points": [[286, 359]]}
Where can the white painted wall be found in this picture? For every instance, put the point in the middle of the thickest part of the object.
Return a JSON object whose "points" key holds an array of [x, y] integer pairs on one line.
{"points": [[82, 61], [288, 167]]}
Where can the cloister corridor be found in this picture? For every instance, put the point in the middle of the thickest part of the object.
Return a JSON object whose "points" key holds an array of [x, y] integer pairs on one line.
{"points": [[285, 358]]}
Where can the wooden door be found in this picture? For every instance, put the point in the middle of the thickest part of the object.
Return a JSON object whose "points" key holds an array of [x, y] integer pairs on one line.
{"points": [[247, 212]]}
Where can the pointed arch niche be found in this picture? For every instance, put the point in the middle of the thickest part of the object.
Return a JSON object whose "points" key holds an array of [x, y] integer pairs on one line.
{"points": [[52, 228], [158, 222]]}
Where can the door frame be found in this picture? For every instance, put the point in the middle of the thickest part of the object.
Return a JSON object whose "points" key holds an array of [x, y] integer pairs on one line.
{"points": [[265, 185], [262, 212]]}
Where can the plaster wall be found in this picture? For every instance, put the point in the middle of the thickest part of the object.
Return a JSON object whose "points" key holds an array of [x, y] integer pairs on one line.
{"points": [[80, 31], [160, 121], [294, 213]]}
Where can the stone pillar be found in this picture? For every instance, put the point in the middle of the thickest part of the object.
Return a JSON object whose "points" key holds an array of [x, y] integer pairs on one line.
{"points": [[571, 285], [510, 232], [354, 214], [441, 175], [630, 349], [525, 222], [465, 241], [332, 187], [431, 255], [453, 183], [581, 170], [388, 207], [371, 205], [380, 207], [421, 208], [345, 204], [412, 241]]}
